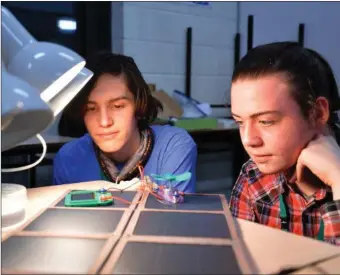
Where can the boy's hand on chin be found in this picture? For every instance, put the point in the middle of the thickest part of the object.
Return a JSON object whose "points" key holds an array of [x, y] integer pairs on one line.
{"points": [[322, 157]]}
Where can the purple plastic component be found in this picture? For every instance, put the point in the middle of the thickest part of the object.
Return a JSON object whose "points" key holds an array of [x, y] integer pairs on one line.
{"points": [[170, 195]]}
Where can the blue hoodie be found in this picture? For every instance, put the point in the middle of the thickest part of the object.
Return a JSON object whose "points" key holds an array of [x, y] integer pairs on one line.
{"points": [[174, 152]]}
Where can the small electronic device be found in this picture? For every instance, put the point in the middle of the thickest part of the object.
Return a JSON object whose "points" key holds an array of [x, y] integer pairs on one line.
{"points": [[167, 193], [88, 198]]}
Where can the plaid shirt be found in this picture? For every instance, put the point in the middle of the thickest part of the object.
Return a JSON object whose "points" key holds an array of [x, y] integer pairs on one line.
{"points": [[255, 197]]}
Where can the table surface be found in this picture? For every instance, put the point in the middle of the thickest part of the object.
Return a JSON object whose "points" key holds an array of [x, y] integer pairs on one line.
{"points": [[272, 250]]}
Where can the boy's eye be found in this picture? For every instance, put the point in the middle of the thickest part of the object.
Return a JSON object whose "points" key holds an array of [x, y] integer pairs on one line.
{"points": [[239, 122], [117, 106], [266, 122], [90, 108]]}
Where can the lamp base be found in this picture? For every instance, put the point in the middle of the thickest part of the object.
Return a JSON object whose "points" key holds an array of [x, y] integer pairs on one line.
{"points": [[13, 204]]}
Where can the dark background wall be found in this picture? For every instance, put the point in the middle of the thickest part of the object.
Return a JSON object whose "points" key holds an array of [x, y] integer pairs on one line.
{"points": [[93, 19]]}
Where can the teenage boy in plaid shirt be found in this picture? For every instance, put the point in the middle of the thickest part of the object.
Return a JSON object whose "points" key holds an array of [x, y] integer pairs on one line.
{"points": [[284, 98]]}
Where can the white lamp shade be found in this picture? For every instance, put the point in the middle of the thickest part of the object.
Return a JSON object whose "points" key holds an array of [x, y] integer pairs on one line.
{"points": [[23, 112], [45, 66], [41, 79], [15, 35], [59, 102]]}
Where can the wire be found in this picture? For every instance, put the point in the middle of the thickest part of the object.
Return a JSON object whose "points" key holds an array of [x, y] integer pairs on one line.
{"points": [[22, 168], [141, 172], [122, 200], [123, 189], [143, 188]]}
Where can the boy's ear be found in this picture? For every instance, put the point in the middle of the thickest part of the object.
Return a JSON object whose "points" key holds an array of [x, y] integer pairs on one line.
{"points": [[320, 112]]}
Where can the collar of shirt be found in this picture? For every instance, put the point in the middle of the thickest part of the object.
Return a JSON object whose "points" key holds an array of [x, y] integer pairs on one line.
{"points": [[268, 187]]}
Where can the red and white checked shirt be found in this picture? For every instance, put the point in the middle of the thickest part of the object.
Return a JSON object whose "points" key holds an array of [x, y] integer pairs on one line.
{"points": [[255, 197]]}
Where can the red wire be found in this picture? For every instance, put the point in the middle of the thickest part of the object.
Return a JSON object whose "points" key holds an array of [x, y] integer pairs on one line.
{"points": [[122, 200], [141, 172]]}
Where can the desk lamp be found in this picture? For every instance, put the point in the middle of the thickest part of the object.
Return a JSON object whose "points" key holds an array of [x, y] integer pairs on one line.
{"points": [[38, 80], [47, 67]]}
